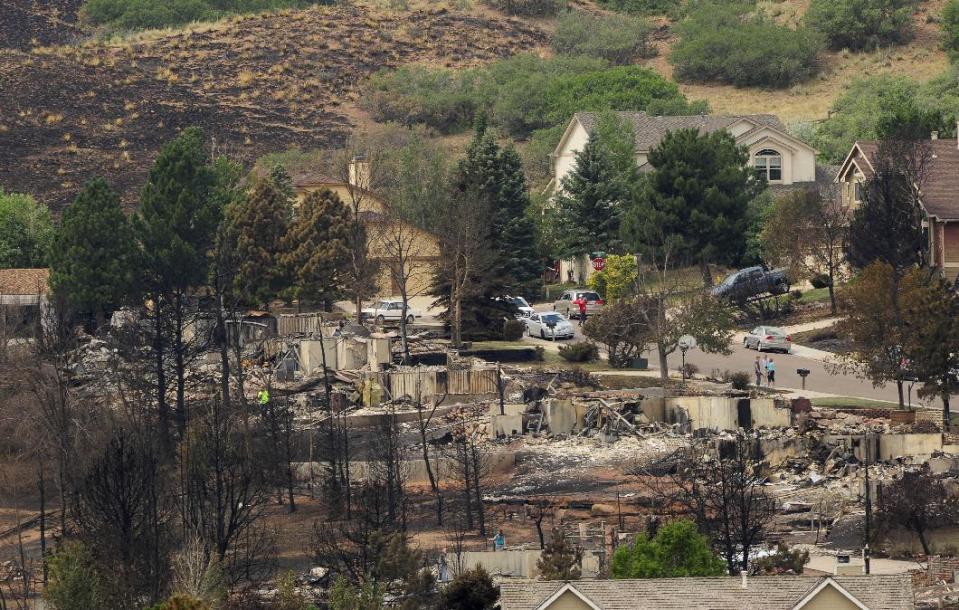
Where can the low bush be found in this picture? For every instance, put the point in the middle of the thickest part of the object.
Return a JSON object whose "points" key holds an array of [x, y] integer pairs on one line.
{"points": [[730, 44], [740, 380], [513, 330], [691, 370], [671, 8], [528, 8], [820, 280], [619, 39], [950, 27], [581, 351], [862, 24], [521, 94], [149, 14]]}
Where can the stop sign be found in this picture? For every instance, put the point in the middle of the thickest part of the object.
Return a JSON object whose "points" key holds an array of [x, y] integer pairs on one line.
{"points": [[599, 264]]}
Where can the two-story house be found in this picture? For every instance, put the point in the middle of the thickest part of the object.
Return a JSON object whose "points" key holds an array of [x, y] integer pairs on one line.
{"points": [[781, 158], [938, 194]]}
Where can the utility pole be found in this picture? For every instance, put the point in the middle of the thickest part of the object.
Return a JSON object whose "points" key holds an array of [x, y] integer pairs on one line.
{"points": [[865, 549]]}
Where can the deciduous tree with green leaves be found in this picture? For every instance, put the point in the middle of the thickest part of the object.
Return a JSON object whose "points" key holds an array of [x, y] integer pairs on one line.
{"points": [[92, 262], [26, 231], [618, 277], [678, 549]]}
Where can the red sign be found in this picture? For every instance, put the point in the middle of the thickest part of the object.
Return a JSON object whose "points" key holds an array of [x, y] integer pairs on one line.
{"points": [[599, 264]]}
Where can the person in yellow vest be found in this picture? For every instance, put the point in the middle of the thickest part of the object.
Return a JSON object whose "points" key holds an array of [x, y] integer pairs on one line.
{"points": [[263, 397]]}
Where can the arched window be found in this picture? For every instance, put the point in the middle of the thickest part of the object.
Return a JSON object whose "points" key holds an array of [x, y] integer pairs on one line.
{"points": [[769, 164]]}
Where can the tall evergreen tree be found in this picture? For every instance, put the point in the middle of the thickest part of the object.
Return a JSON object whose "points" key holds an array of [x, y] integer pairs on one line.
{"points": [[317, 246], [93, 253], [175, 225], [258, 225], [694, 203], [590, 203]]}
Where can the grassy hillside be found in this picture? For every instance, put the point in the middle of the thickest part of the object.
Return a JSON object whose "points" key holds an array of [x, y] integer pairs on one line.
{"points": [[257, 84], [264, 83]]}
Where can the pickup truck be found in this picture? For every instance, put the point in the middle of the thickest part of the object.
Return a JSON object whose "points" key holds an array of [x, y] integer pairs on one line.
{"points": [[750, 282]]}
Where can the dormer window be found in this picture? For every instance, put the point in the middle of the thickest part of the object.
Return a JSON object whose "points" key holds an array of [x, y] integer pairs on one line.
{"points": [[769, 165]]}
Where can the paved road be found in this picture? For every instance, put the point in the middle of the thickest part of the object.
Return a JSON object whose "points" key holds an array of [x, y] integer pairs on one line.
{"points": [[819, 380]]}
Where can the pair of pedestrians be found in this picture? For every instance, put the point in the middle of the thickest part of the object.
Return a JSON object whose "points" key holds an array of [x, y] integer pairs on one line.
{"points": [[765, 368]]}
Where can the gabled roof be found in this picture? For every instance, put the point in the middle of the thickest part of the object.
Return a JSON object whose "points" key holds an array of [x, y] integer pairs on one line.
{"points": [[875, 592], [940, 186], [649, 130], [24, 281]]}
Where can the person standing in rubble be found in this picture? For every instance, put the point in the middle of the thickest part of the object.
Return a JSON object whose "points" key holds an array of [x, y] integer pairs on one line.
{"points": [[758, 371], [499, 541], [771, 373]]}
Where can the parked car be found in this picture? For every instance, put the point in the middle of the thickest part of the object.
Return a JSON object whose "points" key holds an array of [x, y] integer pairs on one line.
{"points": [[764, 338], [522, 305], [548, 325], [568, 303], [387, 310], [750, 282]]}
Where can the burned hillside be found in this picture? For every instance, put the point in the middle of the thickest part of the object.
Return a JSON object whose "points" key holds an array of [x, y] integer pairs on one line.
{"points": [[256, 84]]}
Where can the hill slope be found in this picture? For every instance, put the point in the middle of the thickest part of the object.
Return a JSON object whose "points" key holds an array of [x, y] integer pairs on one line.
{"points": [[256, 84]]}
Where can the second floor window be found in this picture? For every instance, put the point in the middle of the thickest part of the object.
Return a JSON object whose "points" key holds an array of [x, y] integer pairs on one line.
{"points": [[769, 164]]}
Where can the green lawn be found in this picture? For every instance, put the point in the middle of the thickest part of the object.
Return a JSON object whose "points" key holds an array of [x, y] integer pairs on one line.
{"points": [[815, 295]]}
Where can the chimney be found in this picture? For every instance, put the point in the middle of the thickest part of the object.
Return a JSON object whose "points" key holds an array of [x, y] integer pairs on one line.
{"points": [[745, 585], [360, 172], [935, 135]]}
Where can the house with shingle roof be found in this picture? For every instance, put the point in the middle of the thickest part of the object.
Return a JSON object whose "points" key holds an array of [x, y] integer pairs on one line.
{"points": [[23, 300], [783, 159], [938, 196], [782, 592]]}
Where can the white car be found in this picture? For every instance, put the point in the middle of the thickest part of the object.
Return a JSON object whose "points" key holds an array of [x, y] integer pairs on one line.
{"points": [[771, 338], [387, 310], [548, 325]]}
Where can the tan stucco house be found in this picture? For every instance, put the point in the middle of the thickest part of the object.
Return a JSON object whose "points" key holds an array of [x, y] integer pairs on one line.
{"points": [[385, 234], [874, 592], [781, 158], [939, 197]]}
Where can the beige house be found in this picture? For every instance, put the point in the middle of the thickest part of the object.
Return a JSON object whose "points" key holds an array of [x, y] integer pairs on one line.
{"points": [[388, 237], [782, 159], [874, 592], [939, 197]]}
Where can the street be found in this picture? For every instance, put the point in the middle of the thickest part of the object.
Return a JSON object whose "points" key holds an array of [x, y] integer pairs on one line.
{"points": [[742, 359]]}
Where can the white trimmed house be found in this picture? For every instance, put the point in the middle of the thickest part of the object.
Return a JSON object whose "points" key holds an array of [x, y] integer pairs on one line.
{"points": [[783, 159]]}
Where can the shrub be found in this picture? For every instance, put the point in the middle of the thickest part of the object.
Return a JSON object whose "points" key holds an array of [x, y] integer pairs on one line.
{"points": [[528, 8], [795, 294], [862, 24], [618, 39], [645, 7], [691, 370], [440, 98], [581, 351], [74, 582], [726, 44], [950, 27], [740, 380], [820, 280], [513, 330]]}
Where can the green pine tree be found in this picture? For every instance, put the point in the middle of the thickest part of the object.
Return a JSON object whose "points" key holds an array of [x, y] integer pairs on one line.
{"points": [[694, 204], [589, 205], [93, 254], [257, 227], [560, 559], [317, 246]]}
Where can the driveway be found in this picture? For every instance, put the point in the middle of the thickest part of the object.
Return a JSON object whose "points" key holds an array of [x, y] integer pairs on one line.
{"points": [[820, 379]]}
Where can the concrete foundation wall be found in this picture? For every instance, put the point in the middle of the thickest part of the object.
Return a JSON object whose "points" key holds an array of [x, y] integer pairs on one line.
{"points": [[723, 413], [515, 564], [414, 471], [920, 446]]}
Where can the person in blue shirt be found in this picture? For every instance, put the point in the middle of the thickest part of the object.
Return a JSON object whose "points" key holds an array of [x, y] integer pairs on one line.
{"points": [[770, 373]]}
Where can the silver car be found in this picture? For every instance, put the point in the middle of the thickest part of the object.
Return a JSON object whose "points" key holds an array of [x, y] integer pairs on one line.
{"points": [[568, 303], [770, 338], [548, 325]]}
